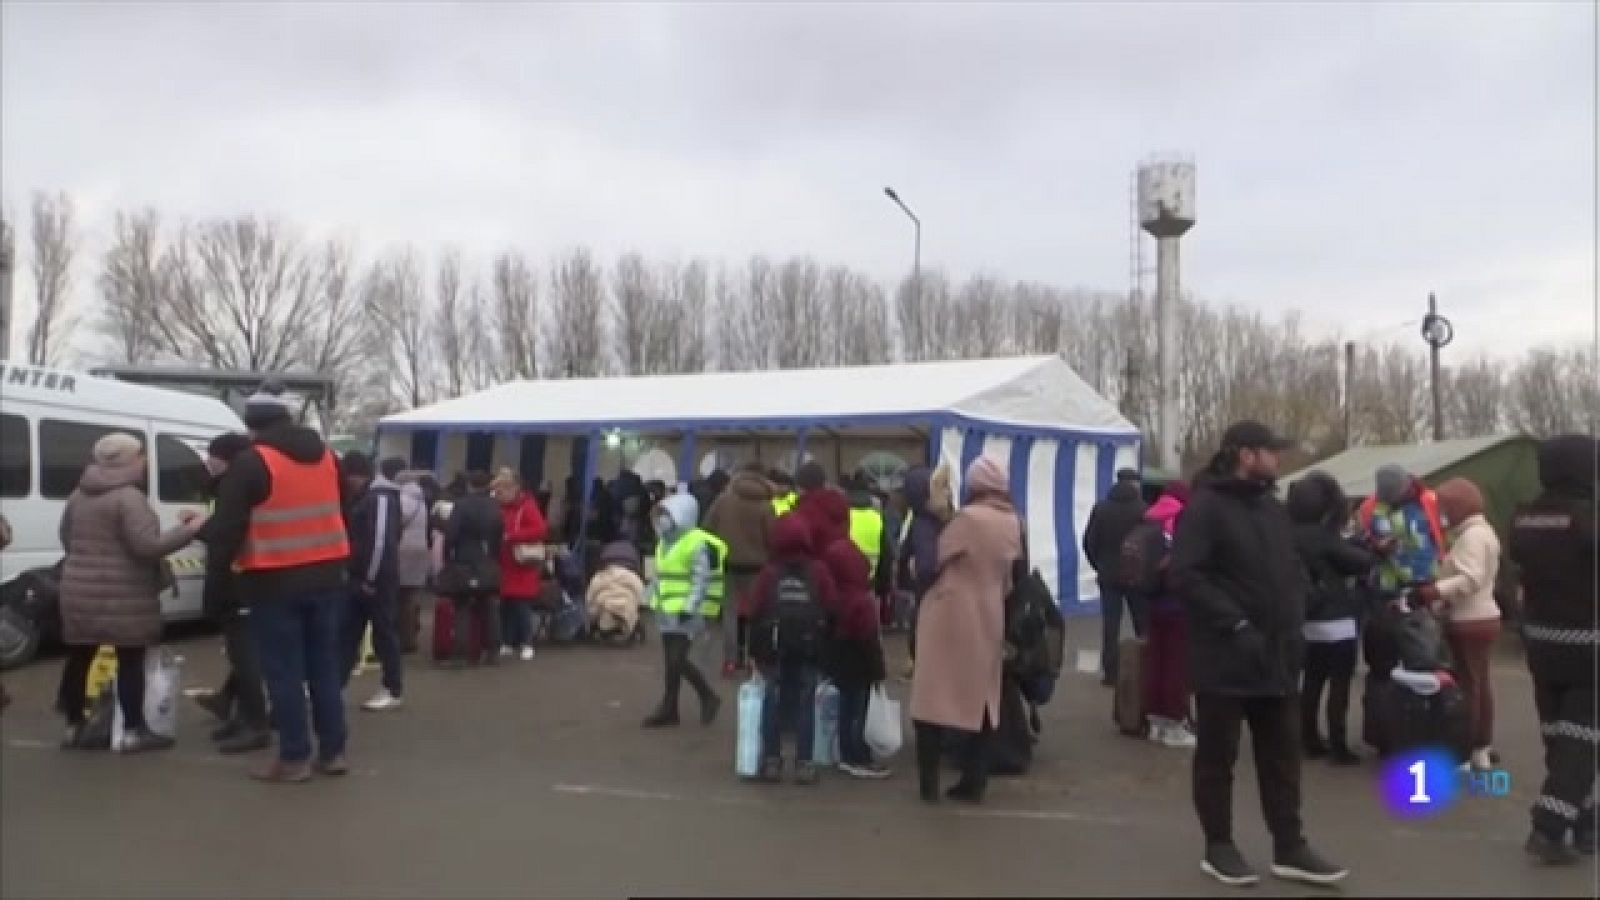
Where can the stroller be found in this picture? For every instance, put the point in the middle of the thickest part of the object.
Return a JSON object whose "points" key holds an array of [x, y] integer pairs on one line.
{"points": [[1411, 699], [616, 610]]}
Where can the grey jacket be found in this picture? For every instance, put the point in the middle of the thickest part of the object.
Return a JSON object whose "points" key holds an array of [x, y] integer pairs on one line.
{"points": [[414, 559], [110, 589]]}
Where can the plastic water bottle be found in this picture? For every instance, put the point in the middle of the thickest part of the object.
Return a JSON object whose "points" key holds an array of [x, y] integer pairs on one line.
{"points": [[747, 748], [825, 734]]}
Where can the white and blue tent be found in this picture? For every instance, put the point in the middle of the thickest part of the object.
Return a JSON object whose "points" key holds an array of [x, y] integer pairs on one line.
{"points": [[1062, 441]]}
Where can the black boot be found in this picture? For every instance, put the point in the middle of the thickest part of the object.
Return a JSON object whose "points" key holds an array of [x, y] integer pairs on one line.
{"points": [[665, 716], [247, 739], [930, 753]]}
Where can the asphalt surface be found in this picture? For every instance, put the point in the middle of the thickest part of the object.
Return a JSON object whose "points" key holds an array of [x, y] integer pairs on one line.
{"points": [[535, 779]]}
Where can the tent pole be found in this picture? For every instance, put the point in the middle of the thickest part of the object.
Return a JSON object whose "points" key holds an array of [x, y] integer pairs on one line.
{"points": [[800, 450], [686, 468], [591, 462], [438, 455]]}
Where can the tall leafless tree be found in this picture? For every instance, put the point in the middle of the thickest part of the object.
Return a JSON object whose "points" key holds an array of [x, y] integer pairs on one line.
{"points": [[1475, 398], [516, 316], [55, 245], [393, 296], [133, 288], [575, 341]]}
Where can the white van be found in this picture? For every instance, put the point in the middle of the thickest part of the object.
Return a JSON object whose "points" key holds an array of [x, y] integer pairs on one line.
{"points": [[50, 420]]}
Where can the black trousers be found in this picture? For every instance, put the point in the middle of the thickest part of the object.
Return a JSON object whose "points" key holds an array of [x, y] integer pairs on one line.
{"points": [[1567, 726], [75, 681], [680, 668], [244, 690], [1331, 664], [1275, 737], [973, 754]]}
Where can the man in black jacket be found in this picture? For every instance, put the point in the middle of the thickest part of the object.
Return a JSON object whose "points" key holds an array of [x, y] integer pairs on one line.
{"points": [[294, 600], [1235, 568], [373, 521], [1553, 542], [1108, 526], [242, 701]]}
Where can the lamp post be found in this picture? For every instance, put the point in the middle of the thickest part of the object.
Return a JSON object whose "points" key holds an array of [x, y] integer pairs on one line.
{"points": [[916, 258]]}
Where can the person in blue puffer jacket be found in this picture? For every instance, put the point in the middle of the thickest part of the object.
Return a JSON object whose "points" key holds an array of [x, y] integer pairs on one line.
{"points": [[686, 591]]}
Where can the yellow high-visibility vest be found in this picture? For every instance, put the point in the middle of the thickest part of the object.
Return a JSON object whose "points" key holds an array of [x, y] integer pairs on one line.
{"points": [[866, 530], [675, 574]]}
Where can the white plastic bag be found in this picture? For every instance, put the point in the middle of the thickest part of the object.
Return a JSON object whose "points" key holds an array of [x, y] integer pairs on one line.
{"points": [[883, 732], [162, 685], [747, 746]]}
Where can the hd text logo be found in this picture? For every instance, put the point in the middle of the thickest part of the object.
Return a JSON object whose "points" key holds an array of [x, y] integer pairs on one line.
{"points": [[1423, 783]]}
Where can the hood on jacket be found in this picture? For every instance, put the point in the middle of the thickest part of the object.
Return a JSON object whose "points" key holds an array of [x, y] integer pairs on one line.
{"points": [[300, 444], [752, 487], [101, 479], [792, 539], [1165, 512], [851, 571], [1567, 465], [685, 513], [1459, 500], [1317, 499], [831, 515]]}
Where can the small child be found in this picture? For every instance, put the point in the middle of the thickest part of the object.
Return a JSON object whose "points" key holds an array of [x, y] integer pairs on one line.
{"points": [[616, 594]]}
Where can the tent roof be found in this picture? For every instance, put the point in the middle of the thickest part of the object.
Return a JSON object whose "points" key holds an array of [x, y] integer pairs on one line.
{"points": [[1033, 393], [1354, 469]]}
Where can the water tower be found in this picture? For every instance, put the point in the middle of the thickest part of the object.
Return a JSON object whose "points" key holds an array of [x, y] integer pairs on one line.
{"points": [[1166, 211]]}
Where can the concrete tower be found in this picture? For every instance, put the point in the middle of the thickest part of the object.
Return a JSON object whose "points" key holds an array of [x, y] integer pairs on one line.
{"points": [[1166, 211]]}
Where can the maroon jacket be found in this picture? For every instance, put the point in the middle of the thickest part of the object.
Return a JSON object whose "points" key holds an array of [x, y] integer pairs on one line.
{"points": [[792, 542], [856, 618]]}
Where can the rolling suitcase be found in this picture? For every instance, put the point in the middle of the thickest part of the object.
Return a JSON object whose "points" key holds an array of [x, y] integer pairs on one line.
{"points": [[444, 632], [1127, 700]]}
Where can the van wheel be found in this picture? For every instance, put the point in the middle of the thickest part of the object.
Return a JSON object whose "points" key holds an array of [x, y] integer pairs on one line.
{"points": [[19, 638]]}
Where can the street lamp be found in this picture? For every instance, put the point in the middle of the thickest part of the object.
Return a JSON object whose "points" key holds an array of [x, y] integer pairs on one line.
{"points": [[916, 258]]}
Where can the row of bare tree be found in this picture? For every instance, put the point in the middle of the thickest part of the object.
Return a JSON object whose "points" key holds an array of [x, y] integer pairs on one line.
{"points": [[398, 331]]}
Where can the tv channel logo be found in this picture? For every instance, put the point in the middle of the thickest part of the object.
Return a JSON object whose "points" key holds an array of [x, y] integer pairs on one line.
{"points": [[1426, 782]]}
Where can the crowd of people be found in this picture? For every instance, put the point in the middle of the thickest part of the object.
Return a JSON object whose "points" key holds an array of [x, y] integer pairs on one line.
{"points": [[1254, 611]]}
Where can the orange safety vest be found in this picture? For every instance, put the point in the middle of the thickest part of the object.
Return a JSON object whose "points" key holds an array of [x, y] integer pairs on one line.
{"points": [[300, 523], [1430, 510]]}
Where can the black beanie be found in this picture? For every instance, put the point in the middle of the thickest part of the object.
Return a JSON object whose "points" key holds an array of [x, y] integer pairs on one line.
{"points": [[266, 407], [356, 463], [227, 445]]}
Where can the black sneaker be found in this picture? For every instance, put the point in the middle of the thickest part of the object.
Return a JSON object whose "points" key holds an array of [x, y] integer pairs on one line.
{"points": [[1583, 841], [1303, 864], [662, 718], [708, 709], [1550, 851], [1226, 864]]}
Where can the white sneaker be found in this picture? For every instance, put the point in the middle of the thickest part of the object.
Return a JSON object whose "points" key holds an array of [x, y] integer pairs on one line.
{"points": [[1178, 736], [382, 700], [505, 651], [526, 653], [1157, 729]]}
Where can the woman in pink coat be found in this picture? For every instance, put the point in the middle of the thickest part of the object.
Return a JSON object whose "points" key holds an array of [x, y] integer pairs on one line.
{"points": [[961, 632]]}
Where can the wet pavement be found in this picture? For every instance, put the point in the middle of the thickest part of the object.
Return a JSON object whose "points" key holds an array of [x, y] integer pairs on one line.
{"points": [[535, 779]]}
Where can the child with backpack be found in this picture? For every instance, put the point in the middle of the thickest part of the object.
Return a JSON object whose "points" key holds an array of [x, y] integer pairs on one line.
{"points": [[787, 610]]}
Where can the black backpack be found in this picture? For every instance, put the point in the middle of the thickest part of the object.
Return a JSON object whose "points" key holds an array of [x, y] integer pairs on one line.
{"points": [[798, 619], [1141, 560]]}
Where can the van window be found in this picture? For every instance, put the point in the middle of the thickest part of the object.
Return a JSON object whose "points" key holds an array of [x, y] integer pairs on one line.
{"points": [[16, 457], [181, 475], [65, 448]]}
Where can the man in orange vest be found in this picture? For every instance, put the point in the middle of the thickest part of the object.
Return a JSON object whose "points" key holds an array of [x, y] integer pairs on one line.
{"points": [[278, 524]]}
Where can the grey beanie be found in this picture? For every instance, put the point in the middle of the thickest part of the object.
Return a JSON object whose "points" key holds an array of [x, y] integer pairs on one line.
{"points": [[1391, 483], [266, 407]]}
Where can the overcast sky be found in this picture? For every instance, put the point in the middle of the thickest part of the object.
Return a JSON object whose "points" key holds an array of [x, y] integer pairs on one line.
{"points": [[1352, 157]]}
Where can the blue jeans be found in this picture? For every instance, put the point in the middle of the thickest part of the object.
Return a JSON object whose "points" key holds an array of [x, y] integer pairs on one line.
{"points": [[516, 623], [790, 705], [378, 610], [297, 636], [853, 698]]}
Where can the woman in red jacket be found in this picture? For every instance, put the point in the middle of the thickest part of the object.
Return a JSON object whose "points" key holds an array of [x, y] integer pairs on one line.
{"points": [[520, 566]]}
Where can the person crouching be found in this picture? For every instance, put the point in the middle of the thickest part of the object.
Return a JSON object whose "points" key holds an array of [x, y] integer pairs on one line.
{"points": [[787, 610]]}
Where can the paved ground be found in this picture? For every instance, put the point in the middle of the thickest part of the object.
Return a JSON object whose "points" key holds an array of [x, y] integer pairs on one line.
{"points": [[535, 779]]}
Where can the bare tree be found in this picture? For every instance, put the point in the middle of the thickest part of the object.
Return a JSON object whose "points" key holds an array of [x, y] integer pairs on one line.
{"points": [[132, 288], [691, 302], [860, 316], [462, 349], [745, 339], [637, 304], [1557, 391], [576, 337], [794, 304], [55, 244], [393, 297], [1475, 397], [516, 316]]}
